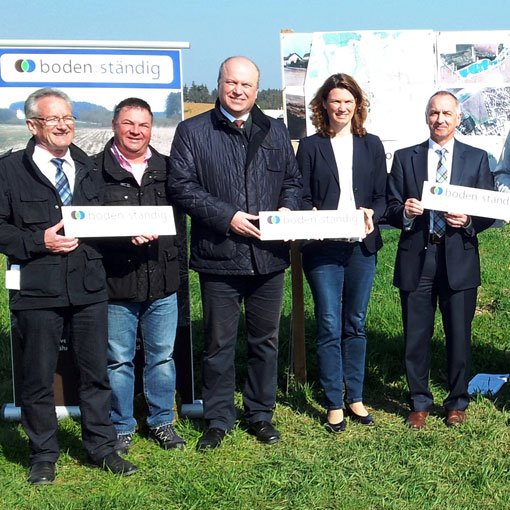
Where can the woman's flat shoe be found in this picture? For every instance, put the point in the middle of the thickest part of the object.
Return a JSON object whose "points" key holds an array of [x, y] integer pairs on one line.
{"points": [[335, 428], [364, 420]]}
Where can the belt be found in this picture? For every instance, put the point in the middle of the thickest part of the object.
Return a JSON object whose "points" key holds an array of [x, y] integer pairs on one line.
{"points": [[435, 239]]}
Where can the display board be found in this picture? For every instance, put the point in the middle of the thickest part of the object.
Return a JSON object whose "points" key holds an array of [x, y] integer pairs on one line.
{"points": [[97, 75], [399, 70]]}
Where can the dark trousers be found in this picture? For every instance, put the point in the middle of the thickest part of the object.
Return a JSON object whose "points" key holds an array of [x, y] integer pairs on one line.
{"points": [[418, 311], [221, 298], [41, 331]]}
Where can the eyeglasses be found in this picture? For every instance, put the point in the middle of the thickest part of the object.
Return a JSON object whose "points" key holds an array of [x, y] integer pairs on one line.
{"points": [[54, 121]]}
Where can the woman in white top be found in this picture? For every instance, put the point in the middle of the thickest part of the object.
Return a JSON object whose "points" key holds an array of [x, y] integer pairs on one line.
{"points": [[343, 167]]}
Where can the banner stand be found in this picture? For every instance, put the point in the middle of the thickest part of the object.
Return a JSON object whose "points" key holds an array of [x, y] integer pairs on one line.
{"points": [[10, 412], [96, 75]]}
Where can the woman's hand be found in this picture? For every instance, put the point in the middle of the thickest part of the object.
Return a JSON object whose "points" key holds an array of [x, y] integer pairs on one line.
{"points": [[369, 221], [317, 238]]}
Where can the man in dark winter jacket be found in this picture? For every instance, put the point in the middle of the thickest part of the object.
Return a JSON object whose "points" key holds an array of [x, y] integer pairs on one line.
{"points": [[226, 165], [142, 276], [61, 280]]}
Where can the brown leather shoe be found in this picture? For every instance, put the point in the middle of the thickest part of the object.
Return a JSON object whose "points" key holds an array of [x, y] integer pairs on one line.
{"points": [[416, 420], [455, 418]]}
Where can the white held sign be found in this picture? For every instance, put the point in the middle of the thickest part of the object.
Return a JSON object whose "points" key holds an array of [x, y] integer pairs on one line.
{"points": [[285, 225], [463, 200], [118, 221]]}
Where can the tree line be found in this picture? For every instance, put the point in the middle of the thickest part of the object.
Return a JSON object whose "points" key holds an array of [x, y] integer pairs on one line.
{"points": [[266, 99]]}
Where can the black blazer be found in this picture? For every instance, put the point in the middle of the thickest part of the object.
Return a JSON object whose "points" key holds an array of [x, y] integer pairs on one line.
{"points": [[321, 187], [470, 167]]}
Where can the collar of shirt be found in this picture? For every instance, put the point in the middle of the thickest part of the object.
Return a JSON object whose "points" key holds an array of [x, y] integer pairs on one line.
{"points": [[131, 168], [231, 118], [42, 158], [448, 145]]}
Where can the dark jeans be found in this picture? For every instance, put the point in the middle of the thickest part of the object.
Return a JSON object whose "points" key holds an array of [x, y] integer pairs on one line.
{"points": [[221, 298], [340, 276], [418, 312], [41, 331]]}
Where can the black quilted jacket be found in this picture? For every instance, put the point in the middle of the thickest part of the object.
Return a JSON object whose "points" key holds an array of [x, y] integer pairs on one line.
{"points": [[215, 172]]}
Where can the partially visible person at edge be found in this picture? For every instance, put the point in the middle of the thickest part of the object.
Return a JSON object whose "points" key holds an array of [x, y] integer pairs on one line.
{"points": [[343, 167], [502, 170], [437, 257], [61, 280], [226, 165], [142, 279]]}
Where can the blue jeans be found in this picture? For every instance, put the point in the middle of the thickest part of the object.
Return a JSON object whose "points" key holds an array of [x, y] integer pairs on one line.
{"points": [[340, 276], [158, 322]]}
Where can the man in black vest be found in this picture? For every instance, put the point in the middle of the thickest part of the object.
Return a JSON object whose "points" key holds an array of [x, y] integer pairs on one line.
{"points": [[226, 165], [142, 276], [61, 280]]}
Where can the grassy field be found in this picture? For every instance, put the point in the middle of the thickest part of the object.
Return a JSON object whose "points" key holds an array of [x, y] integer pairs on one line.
{"points": [[13, 137], [192, 109], [90, 139], [385, 467]]}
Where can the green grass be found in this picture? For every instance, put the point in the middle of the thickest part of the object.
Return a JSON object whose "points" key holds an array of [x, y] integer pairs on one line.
{"points": [[385, 467]]}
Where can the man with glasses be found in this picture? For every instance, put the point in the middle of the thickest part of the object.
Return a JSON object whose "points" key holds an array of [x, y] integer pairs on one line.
{"points": [[61, 280]]}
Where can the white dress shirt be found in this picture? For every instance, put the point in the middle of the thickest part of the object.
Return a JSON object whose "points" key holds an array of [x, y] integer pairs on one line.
{"points": [[231, 118], [42, 158], [343, 150], [432, 163], [433, 159]]}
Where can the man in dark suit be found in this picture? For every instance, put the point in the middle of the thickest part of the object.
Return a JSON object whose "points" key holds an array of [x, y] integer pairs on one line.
{"points": [[437, 257]]}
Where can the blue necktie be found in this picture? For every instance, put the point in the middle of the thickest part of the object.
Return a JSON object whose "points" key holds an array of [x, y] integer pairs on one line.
{"points": [[439, 223], [61, 182]]}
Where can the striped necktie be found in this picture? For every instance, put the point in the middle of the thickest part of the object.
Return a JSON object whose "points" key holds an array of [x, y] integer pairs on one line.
{"points": [[61, 182], [439, 223]]}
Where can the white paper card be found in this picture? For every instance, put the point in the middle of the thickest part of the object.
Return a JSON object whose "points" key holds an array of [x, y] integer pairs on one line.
{"points": [[118, 221], [487, 383], [285, 225], [12, 277], [463, 200]]}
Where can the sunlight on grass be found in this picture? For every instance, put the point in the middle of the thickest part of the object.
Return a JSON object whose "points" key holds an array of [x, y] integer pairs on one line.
{"points": [[384, 467]]}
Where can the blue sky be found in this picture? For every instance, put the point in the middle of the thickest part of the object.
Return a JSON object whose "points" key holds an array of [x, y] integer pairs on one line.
{"points": [[217, 29]]}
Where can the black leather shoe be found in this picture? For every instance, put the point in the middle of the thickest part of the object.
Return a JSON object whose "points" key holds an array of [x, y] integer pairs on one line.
{"points": [[114, 463], [211, 439], [364, 420], [335, 428], [42, 473], [265, 432]]}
